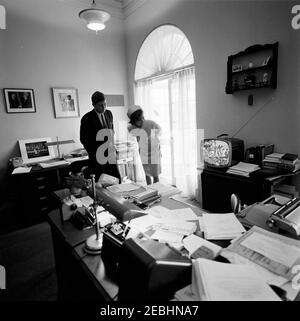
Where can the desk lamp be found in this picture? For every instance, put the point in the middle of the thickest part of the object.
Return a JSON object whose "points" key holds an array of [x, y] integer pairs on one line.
{"points": [[93, 244]]}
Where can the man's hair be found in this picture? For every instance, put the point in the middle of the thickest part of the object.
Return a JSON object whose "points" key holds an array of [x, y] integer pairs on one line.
{"points": [[97, 96], [136, 116]]}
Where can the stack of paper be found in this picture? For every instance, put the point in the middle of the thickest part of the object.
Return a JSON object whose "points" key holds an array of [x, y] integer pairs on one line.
{"points": [[215, 281], [21, 170], [243, 169], [221, 226], [184, 228], [127, 189], [163, 213], [165, 190], [198, 247], [274, 256], [170, 226], [53, 163]]}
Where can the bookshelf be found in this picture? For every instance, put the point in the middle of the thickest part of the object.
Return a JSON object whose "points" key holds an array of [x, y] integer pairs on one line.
{"points": [[253, 68]]}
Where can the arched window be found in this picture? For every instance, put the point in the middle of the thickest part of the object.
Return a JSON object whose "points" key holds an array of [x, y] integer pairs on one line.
{"points": [[165, 88], [165, 49]]}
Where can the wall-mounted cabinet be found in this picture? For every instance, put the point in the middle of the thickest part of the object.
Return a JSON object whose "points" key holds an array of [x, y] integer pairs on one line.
{"points": [[255, 67]]}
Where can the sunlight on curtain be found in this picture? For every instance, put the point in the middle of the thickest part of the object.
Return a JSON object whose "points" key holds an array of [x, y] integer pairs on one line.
{"points": [[165, 49], [184, 131], [165, 89]]}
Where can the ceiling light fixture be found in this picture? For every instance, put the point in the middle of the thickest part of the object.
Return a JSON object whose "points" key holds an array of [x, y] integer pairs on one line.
{"points": [[95, 18]]}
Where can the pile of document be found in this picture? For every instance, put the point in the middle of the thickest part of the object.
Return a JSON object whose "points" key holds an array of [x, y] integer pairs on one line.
{"points": [[288, 162], [221, 226], [215, 281], [165, 190], [274, 256], [199, 247], [169, 226], [21, 170], [243, 169], [53, 163]]}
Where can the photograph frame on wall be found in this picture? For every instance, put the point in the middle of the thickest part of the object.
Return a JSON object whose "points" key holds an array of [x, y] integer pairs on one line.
{"points": [[19, 100], [65, 101], [35, 150]]}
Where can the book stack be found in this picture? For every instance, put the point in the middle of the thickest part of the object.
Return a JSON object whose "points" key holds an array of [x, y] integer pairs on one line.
{"points": [[243, 169], [221, 226], [288, 162], [146, 197], [215, 281]]}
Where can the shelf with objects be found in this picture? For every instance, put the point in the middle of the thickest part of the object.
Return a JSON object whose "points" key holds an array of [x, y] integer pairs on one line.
{"points": [[255, 67]]}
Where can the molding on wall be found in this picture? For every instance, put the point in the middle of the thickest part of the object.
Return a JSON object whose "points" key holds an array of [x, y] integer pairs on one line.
{"points": [[130, 6]]}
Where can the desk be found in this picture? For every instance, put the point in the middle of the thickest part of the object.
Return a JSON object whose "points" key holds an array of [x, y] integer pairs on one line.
{"points": [[32, 191], [81, 276], [217, 187]]}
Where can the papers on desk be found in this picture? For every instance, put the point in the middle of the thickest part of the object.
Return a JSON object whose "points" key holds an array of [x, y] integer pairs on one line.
{"points": [[53, 163], [243, 169], [198, 247], [170, 226], [215, 281], [143, 223], [72, 160], [184, 228], [270, 251], [21, 170], [185, 200], [121, 188], [183, 214], [221, 226], [165, 190], [86, 201], [167, 236]]}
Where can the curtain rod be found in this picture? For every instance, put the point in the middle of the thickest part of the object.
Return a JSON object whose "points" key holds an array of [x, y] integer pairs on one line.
{"points": [[165, 73]]}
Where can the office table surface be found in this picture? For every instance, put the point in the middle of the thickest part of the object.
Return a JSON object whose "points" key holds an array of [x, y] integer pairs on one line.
{"points": [[93, 264]]}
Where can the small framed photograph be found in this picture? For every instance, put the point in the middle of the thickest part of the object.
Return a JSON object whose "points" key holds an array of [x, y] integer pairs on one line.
{"points": [[35, 150], [65, 102], [266, 61], [19, 100], [236, 68]]}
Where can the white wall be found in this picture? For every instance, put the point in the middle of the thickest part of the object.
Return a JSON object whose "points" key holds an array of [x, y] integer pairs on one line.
{"points": [[46, 45], [217, 29]]}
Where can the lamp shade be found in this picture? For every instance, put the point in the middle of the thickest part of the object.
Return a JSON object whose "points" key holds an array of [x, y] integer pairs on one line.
{"points": [[2, 17], [94, 18]]}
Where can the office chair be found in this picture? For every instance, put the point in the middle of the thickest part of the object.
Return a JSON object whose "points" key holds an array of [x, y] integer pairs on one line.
{"points": [[235, 204]]}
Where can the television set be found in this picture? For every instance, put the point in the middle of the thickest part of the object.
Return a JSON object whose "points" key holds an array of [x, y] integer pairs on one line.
{"points": [[151, 271], [222, 152]]}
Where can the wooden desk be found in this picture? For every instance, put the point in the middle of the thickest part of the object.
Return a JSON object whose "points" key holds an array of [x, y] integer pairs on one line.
{"points": [[217, 187], [82, 276], [32, 192]]}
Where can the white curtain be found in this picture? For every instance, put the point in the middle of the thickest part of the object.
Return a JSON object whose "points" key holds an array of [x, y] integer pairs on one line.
{"points": [[169, 100], [184, 135], [184, 131], [142, 96]]}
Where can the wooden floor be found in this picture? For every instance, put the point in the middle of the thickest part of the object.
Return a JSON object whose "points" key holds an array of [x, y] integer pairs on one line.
{"points": [[28, 258]]}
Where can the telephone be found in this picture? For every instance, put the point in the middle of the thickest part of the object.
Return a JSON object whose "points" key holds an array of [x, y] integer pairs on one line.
{"points": [[273, 213]]}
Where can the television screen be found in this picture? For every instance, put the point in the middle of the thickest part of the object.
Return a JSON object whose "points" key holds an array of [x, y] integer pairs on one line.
{"points": [[217, 152]]}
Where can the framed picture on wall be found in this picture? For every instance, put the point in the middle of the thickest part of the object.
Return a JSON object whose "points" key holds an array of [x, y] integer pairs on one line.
{"points": [[19, 100], [35, 150], [65, 102]]}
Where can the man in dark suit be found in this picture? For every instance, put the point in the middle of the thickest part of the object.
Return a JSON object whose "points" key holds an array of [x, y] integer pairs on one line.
{"points": [[96, 130]]}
